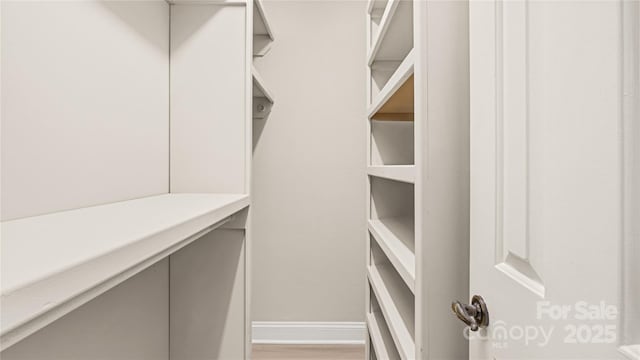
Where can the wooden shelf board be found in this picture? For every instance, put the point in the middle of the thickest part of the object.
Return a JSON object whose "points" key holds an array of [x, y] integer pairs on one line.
{"points": [[52, 264], [259, 88], [399, 107], [392, 311], [381, 338], [403, 173], [395, 236], [395, 33], [396, 99]]}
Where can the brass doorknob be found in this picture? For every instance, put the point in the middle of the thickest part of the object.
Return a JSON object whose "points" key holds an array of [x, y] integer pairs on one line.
{"points": [[476, 315]]}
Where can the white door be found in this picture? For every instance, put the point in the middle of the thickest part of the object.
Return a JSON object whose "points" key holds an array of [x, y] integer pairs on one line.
{"points": [[548, 179]]}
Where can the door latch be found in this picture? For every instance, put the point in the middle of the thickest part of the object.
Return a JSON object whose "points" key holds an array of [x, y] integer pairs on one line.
{"points": [[476, 315]]}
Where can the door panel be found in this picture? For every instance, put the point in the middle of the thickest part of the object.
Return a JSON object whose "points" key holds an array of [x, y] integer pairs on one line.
{"points": [[546, 177]]}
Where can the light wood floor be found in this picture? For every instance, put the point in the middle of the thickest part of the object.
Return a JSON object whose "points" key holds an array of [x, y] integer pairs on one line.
{"points": [[308, 352]]}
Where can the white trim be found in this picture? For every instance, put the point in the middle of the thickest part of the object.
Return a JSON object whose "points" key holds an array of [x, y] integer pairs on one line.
{"points": [[304, 332]]}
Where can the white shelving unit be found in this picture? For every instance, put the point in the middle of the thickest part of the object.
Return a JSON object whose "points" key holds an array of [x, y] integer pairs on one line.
{"points": [[417, 178], [187, 227], [262, 40]]}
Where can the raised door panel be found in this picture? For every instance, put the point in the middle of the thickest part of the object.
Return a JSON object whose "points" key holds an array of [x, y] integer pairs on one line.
{"points": [[517, 251]]}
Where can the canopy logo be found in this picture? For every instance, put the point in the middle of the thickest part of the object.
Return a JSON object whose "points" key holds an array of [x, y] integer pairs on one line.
{"points": [[579, 323]]}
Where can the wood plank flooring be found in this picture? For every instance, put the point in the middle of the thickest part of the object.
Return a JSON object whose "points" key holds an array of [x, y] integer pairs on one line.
{"points": [[308, 352]]}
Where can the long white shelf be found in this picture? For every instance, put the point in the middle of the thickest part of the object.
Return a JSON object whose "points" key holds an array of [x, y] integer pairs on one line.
{"points": [[395, 236], [404, 103], [52, 264], [395, 33], [403, 173], [381, 338], [259, 88], [393, 311]]}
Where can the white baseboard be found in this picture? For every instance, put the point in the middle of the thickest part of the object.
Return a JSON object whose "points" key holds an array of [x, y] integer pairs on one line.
{"points": [[285, 332]]}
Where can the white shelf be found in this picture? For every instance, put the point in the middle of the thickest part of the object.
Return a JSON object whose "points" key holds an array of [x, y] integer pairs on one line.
{"points": [[52, 264], [394, 98], [404, 173], [395, 33], [395, 236], [259, 88], [262, 33], [397, 308], [381, 338]]}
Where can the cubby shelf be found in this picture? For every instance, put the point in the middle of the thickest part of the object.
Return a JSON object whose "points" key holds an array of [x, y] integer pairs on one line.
{"points": [[398, 310], [404, 173], [52, 264], [380, 337], [395, 100], [262, 33], [394, 38], [395, 236]]}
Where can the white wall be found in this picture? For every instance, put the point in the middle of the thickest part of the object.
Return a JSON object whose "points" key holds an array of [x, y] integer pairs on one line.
{"points": [[309, 166], [85, 99], [85, 121]]}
